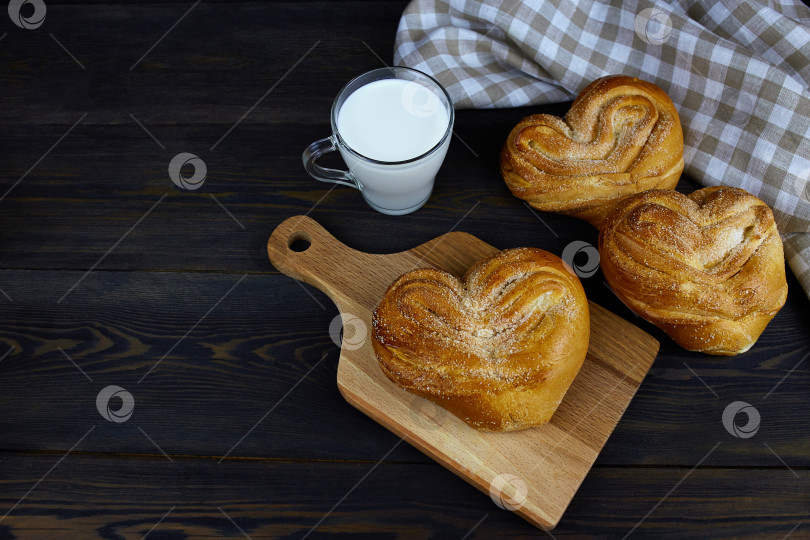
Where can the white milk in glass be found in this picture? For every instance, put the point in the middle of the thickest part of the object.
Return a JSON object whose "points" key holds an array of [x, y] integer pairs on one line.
{"points": [[394, 120]]}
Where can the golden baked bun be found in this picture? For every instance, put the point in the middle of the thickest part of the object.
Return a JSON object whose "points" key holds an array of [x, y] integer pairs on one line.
{"points": [[707, 268], [621, 136], [498, 349]]}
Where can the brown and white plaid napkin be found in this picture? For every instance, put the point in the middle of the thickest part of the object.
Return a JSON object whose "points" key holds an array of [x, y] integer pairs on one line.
{"points": [[738, 72]]}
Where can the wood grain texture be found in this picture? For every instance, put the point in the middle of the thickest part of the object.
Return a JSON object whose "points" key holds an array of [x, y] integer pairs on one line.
{"points": [[120, 497], [535, 471], [208, 70]]}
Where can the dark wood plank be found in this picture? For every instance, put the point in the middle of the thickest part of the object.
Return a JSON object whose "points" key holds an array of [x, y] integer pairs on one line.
{"points": [[214, 384], [116, 497], [211, 68]]}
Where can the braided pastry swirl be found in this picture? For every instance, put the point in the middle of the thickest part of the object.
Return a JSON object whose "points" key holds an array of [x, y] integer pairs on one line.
{"points": [[498, 349], [621, 136], [708, 269]]}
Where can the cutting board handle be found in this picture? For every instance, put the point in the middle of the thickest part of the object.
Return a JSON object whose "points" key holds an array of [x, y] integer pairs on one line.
{"points": [[321, 260]]}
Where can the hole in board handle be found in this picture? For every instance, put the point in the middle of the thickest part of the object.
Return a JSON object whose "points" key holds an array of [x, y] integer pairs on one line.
{"points": [[299, 241]]}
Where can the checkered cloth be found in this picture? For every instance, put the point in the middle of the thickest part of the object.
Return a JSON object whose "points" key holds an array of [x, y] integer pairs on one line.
{"points": [[737, 71]]}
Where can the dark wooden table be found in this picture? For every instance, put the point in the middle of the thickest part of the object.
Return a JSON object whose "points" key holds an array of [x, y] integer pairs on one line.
{"points": [[112, 276]]}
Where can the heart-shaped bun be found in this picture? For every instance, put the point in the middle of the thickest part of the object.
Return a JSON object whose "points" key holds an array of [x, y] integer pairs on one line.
{"points": [[498, 349], [621, 136], [707, 268]]}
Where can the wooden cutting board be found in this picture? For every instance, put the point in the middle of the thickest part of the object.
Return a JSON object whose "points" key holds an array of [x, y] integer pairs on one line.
{"points": [[534, 472]]}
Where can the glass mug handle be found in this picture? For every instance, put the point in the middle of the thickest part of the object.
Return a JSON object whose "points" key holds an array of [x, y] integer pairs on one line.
{"points": [[316, 150]]}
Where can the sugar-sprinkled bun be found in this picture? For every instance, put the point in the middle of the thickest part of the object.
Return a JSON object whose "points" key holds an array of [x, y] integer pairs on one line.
{"points": [[707, 268], [621, 136], [498, 349]]}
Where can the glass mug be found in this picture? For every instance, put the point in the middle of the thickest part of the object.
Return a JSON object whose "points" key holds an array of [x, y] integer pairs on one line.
{"points": [[393, 127]]}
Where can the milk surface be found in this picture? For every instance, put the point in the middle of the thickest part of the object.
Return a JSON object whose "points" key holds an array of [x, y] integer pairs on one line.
{"points": [[392, 120]]}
